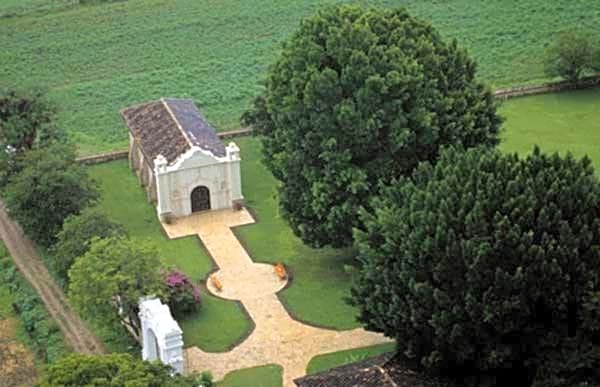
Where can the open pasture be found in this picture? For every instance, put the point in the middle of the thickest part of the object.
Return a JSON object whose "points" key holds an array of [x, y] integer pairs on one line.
{"points": [[97, 59]]}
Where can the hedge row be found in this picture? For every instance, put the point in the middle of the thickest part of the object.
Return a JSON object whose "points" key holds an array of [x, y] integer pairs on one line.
{"points": [[42, 334]]}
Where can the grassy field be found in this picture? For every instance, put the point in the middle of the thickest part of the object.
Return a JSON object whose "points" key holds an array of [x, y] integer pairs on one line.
{"points": [[568, 121], [219, 324], [264, 376], [97, 59], [324, 362]]}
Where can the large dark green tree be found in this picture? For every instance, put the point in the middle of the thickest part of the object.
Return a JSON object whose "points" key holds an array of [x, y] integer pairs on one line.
{"points": [[49, 187], [358, 97], [115, 370], [487, 264], [25, 123]]}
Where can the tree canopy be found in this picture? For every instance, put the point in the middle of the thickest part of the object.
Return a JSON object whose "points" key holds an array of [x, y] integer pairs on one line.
{"points": [[487, 264], [25, 122], [107, 282], [77, 232], [570, 55], [358, 97], [114, 370], [49, 187]]}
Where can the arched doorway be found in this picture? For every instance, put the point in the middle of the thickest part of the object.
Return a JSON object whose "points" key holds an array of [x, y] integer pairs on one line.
{"points": [[152, 346], [200, 199]]}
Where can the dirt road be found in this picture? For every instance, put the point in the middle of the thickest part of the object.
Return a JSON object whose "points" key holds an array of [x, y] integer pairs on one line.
{"points": [[31, 266]]}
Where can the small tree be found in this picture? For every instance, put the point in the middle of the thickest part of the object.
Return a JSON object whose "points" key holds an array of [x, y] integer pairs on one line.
{"points": [[182, 295], [77, 232], [570, 56], [107, 282], [117, 370], [50, 187], [359, 97], [488, 265], [596, 58], [25, 123]]}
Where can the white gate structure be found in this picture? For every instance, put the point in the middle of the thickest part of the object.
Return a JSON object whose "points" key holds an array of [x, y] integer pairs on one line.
{"points": [[162, 338]]}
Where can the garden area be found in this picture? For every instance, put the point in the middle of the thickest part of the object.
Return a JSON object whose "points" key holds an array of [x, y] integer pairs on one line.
{"points": [[97, 58], [320, 282]]}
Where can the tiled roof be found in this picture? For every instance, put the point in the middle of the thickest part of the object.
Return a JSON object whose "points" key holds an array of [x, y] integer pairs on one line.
{"points": [[170, 127], [380, 371]]}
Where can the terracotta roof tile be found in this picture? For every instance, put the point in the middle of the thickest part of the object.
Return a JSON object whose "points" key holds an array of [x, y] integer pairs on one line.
{"points": [[170, 127]]}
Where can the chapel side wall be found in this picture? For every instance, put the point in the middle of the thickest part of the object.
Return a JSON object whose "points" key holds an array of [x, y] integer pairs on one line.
{"points": [[134, 160]]}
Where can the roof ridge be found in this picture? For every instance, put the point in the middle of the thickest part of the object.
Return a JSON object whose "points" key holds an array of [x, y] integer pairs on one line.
{"points": [[172, 115]]}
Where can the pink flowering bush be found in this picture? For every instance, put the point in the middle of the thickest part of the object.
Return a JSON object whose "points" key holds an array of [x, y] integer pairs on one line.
{"points": [[183, 296]]}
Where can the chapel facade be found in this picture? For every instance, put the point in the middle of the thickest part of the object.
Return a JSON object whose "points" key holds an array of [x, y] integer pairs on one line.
{"points": [[180, 160]]}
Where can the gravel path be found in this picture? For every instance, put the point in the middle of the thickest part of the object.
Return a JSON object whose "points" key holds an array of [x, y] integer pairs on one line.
{"points": [[31, 266]]}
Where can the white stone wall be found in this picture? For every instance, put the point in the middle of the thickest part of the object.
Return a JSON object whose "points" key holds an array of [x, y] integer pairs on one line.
{"points": [[162, 338], [197, 168]]}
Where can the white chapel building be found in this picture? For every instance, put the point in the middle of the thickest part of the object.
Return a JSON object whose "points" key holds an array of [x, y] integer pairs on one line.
{"points": [[180, 160]]}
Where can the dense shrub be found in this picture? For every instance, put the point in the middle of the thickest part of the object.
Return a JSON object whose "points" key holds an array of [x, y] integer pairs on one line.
{"points": [[50, 187], [25, 123], [359, 97], [182, 295], [488, 265], [116, 370], [107, 282], [570, 56], [74, 238], [42, 334]]}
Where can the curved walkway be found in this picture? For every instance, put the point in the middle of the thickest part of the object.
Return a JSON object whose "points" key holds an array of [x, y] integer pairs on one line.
{"points": [[29, 263], [277, 337]]}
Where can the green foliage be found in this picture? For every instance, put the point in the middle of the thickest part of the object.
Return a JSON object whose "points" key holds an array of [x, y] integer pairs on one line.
{"points": [[183, 297], [485, 263], [114, 274], [74, 238], [115, 370], [357, 98], [42, 334], [50, 187], [25, 122], [570, 56]]}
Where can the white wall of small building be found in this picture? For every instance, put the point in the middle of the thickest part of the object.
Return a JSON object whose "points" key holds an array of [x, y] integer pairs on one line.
{"points": [[198, 168]]}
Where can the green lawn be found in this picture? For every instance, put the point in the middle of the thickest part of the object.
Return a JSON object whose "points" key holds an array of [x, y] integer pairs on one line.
{"points": [[95, 60], [219, 324], [320, 283], [568, 121], [263, 376], [324, 362]]}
